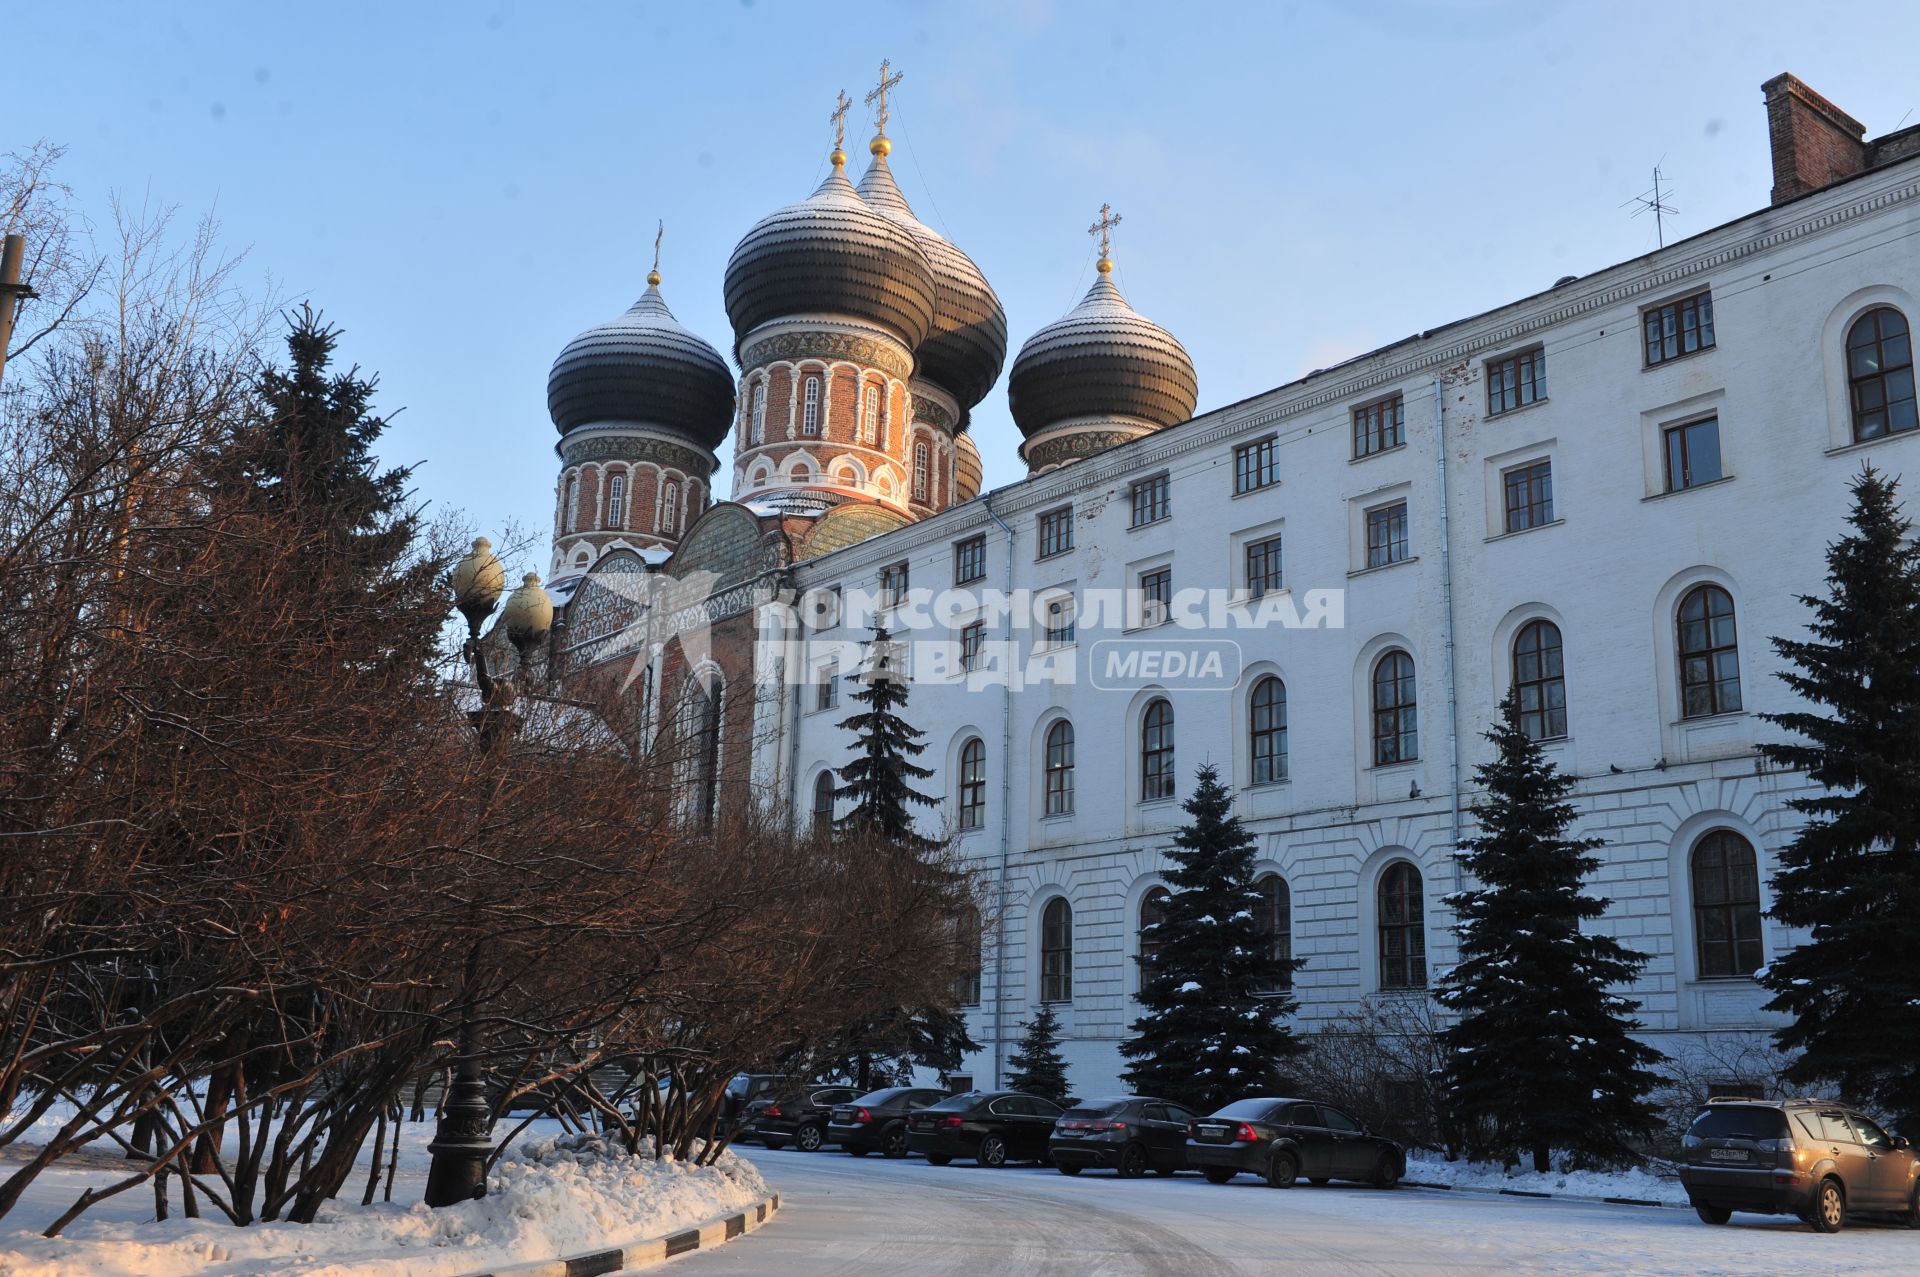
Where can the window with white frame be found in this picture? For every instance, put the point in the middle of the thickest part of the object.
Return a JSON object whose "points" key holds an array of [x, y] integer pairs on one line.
{"points": [[810, 408], [617, 501]]}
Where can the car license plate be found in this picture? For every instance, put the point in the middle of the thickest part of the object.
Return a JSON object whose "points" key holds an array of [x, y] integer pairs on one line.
{"points": [[1212, 1132], [1730, 1155]]}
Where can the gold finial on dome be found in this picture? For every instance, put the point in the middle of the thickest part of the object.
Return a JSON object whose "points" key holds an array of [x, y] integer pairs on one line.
{"points": [[839, 117], [653, 276], [1103, 228], [878, 99]]}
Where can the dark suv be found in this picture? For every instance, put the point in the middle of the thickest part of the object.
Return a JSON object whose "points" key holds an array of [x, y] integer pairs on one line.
{"points": [[877, 1121], [1131, 1134], [1816, 1159], [743, 1089], [798, 1118], [991, 1127], [1283, 1139]]}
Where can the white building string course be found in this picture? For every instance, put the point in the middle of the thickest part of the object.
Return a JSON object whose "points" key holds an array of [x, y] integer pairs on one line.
{"points": [[1603, 499]]}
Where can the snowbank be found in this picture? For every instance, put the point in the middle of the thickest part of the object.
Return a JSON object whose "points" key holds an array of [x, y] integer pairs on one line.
{"points": [[551, 1198], [1636, 1185]]}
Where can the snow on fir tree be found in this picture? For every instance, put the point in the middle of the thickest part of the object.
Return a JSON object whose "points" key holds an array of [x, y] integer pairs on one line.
{"points": [[1037, 1066], [1851, 875], [878, 780], [1542, 1056], [1216, 995]]}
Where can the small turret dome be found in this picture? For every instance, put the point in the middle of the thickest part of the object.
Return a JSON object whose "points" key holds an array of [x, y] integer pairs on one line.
{"points": [[967, 470], [642, 368]]}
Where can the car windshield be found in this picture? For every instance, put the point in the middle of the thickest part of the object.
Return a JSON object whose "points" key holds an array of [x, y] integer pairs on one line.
{"points": [[954, 1104], [872, 1098], [1097, 1108], [1245, 1109], [1739, 1122]]}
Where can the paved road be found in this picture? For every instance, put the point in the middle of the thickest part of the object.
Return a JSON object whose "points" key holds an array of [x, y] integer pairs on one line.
{"points": [[843, 1216]]}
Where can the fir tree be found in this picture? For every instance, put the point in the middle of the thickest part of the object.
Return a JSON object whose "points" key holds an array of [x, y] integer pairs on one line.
{"points": [[1037, 1066], [1543, 1055], [1852, 874], [877, 781], [1215, 995]]}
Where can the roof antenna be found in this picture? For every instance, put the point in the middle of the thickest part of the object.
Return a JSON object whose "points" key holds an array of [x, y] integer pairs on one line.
{"points": [[1655, 202]]}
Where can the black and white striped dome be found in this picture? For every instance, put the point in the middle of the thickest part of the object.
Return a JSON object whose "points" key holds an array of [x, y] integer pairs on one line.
{"points": [[642, 368]]}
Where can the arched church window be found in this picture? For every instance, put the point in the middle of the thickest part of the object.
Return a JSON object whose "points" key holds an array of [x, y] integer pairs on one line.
{"points": [[919, 472], [810, 411], [670, 507], [760, 412]]}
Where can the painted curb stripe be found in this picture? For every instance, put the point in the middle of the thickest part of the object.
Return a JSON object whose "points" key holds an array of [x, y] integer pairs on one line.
{"points": [[606, 1261], [652, 1251], [1560, 1197], [681, 1243]]}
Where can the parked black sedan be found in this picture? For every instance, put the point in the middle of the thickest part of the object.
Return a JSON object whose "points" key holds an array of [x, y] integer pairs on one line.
{"points": [[1131, 1134], [798, 1117], [1283, 1139], [877, 1121], [991, 1127]]}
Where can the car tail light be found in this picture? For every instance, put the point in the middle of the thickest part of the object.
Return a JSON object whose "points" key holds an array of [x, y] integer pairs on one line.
{"points": [[1113, 1126], [774, 1111], [861, 1115], [1071, 1124], [953, 1123], [1245, 1132], [1190, 1134]]}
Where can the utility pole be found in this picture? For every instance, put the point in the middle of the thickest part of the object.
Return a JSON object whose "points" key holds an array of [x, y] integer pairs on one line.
{"points": [[11, 291]]}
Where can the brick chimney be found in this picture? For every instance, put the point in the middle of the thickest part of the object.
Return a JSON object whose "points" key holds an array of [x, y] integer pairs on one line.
{"points": [[1815, 143]]}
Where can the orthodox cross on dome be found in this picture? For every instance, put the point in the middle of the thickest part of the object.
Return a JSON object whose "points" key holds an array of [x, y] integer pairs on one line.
{"points": [[839, 118], [653, 276], [1103, 228], [879, 96]]}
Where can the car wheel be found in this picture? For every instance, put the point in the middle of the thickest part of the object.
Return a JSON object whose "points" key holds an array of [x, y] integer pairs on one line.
{"points": [[1282, 1169], [894, 1142], [1216, 1174], [1829, 1207], [1387, 1173], [808, 1138], [1066, 1168], [938, 1159], [1713, 1214], [1912, 1217], [1133, 1162], [993, 1151]]}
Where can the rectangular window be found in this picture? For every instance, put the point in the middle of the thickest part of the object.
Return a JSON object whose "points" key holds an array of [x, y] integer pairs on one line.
{"points": [[1516, 381], [1263, 567], [1678, 328], [1529, 493], [1056, 531], [617, 501], [893, 585], [827, 691], [1387, 535], [1378, 427], [1156, 596], [1060, 621], [1693, 453], [1151, 500], [970, 560], [1256, 465], [973, 637]]}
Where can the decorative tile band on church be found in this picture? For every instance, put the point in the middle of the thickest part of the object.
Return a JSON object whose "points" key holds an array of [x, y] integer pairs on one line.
{"points": [[1603, 498]]}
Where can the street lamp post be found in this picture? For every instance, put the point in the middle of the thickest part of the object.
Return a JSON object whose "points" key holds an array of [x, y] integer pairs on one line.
{"points": [[463, 1139]]}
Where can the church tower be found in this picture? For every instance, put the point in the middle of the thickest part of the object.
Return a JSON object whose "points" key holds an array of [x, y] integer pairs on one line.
{"points": [[641, 405]]}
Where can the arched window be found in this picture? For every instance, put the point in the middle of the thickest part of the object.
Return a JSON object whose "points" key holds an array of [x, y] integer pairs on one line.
{"points": [[669, 506], [1156, 752], [570, 505], [919, 472], [1267, 730], [803, 473], [973, 784], [823, 803], [1153, 912], [617, 501], [1273, 917], [1726, 905], [1396, 724], [1059, 768], [871, 411], [1539, 681], [810, 413], [1403, 932], [1056, 951], [700, 745], [1880, 374], [1709, 654], [760, 412], [966, 981]]}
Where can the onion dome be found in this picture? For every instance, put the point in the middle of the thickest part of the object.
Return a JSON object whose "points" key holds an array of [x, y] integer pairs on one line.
{"points": [[967, 470], [1102, 359], [643, 368], [831, 253], [968, 344]]}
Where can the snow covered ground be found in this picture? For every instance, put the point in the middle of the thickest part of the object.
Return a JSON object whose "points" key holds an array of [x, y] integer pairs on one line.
{"points": [[848, 1216], [552, 1195], [1639, 1185]]}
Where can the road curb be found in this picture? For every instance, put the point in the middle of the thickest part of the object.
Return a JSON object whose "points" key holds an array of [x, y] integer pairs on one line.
{"points": [[715, 1232], [1558, 1197]]}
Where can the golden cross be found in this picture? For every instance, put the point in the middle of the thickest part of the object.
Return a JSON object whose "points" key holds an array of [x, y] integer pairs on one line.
{"points": [[1108, 220], [839, 118], [879, 96]]}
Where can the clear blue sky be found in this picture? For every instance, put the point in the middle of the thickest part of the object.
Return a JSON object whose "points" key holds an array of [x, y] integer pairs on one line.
{"points": [[463, 187]]}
